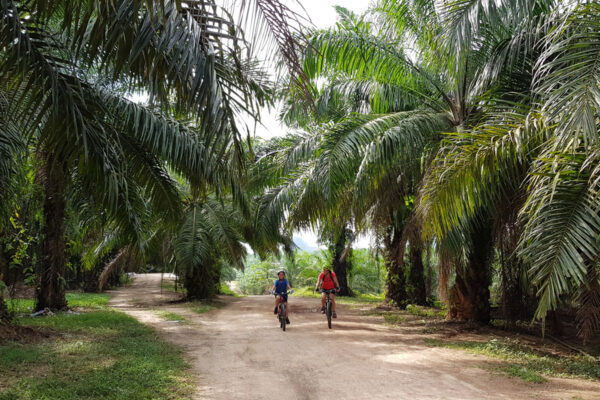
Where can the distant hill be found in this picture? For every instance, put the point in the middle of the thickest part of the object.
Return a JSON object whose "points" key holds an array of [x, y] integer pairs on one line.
{"points": [[303, 245]]}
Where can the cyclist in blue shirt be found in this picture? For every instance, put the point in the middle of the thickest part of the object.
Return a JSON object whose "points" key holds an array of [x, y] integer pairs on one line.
{"points": [[280, 288]]}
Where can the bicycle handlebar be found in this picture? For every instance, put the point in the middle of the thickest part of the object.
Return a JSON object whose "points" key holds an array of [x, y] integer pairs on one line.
{"points": [[276, 293], [328, 290]]}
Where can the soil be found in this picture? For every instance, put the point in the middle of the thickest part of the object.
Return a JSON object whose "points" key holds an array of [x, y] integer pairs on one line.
{"points": [[22, 334], [238, 351]]}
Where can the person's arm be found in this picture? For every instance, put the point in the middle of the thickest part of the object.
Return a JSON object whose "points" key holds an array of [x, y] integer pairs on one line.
{"points": [[337, 284], [288, 285], [318, 283]]}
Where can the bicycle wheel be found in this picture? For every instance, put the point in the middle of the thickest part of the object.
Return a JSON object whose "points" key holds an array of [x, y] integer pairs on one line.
{"points": [[282, 316], [328, 312]]}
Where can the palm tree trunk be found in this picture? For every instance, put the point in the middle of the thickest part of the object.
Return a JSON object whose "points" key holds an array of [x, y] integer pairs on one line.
{"points": [[4, 314], [470, 295], [417, 293], [396, 278], [3, 263], [51, 293], [201, 282], [516, 303], [115, 263], [341, 263]]}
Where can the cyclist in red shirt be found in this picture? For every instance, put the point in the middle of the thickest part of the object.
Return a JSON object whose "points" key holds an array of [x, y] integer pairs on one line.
{"points": [[327, 281]]}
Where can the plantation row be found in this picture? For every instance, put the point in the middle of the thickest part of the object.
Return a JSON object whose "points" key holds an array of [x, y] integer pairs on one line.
{"points": [[463, 136]]}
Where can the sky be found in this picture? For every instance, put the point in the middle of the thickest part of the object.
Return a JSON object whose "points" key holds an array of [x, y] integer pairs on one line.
{"points": [[322, 15]]}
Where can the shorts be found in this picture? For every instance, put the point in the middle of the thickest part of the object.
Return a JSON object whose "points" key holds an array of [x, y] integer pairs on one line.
{"points": [[284, 296]]}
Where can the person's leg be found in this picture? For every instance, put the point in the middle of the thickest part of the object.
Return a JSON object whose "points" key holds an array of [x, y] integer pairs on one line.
{"points": [[332, 297], [287, 320], [323, 301], [277, 299]]}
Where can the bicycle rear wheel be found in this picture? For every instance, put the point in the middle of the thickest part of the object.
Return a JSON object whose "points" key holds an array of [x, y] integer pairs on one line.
{"points": [[282, 316], [328, 312]]}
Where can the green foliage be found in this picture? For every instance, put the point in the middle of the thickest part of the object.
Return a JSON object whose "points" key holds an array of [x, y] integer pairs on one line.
{"points": [[357, 299], [74, 299], [101, 355], [393, 319], [203, 307], [172, 316], [421, 311], [515, 370], [259, 277], [226, 290], [525, 361], [367, 274]]}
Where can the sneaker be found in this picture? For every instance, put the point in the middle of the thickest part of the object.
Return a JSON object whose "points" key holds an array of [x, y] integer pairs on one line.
{"points": [[287, 321], [334, 315], [275, 310]]}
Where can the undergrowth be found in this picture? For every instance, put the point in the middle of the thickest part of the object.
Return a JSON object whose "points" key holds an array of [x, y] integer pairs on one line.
{"points": [[526, 362], [98, 355]]}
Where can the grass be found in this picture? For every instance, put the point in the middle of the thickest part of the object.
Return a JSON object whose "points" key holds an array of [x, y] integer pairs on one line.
{"points": [[171, 316], [425, 312], [390, 318], [525, 362], [169, 285], [399, 317], [226, 290], [358, 299], [202, 307], [102, 355], [519, 371], [393, 319], [74, 299]]}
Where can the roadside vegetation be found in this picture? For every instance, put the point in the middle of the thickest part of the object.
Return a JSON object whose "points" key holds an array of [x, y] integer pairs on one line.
{"points": [[99, 354], [172, 317], [75, 299], [461, 136], [527, 362]]}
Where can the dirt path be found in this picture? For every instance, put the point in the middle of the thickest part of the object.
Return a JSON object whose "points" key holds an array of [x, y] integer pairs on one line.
{"points": [[238, 352]]}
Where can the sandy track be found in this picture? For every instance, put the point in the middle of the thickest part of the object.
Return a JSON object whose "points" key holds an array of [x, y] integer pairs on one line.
{"points": [[239, 352]]}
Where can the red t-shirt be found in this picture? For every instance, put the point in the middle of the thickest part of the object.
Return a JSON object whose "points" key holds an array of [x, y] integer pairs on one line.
{"points": [[328, 283]]}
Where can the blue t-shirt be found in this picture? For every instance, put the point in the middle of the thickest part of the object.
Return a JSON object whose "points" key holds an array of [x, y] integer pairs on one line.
{"points": [[281, 286]]}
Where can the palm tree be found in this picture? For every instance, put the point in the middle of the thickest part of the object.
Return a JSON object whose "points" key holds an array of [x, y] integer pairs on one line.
{"points": [[85, 126], [532, 169], [380, 155]]}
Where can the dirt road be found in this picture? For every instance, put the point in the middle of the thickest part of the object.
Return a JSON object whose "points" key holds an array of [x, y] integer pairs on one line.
{"points": [[239, 352]]}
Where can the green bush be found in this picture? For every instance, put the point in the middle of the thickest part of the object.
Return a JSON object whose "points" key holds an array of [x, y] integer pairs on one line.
{"points": [[367, 274]]}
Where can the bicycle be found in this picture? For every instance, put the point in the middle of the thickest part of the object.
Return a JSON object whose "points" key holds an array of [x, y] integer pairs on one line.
{"points": [[281, 315], [328, 305]]}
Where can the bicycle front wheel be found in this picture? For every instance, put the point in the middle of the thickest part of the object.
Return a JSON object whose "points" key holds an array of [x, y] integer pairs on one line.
{"points": [[328, 312], [282, 316]]}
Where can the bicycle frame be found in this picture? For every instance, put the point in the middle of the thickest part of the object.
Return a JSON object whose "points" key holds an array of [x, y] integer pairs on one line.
{"points": [[281, 309], [328, 305]]}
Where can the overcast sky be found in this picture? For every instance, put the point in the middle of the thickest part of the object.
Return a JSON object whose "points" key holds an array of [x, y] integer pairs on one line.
{"points": [[322, 15]]}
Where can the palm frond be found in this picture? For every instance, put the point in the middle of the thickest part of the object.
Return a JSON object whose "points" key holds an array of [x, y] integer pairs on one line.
{"points": [[567, 74], [563, 223], [478, 169]]}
